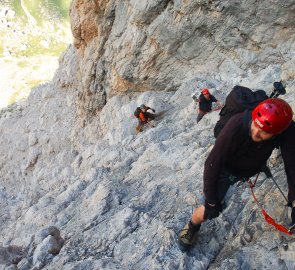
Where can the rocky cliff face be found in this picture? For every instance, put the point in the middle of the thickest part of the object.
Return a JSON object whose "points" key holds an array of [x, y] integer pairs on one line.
{"points": [[134, 46], [78, 188]]}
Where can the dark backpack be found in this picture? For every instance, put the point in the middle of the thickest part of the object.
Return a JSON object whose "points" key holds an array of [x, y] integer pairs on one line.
{"points": [[137, 112], [239, 99]]}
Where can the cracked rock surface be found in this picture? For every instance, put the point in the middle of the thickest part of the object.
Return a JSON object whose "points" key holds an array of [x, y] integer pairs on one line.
{"points": [[80, 190]]}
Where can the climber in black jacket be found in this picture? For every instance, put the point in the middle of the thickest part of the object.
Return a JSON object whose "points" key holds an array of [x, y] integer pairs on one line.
{"points": [[205, 101], [241, 151]]}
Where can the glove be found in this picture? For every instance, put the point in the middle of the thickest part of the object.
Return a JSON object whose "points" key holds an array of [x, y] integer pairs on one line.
{"points": [[212, 210], [153, 110]]}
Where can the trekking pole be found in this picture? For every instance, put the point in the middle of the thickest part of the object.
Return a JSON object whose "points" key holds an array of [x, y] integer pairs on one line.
{"points": [[267, 217], [268, 174], [290, 229], [279, 189]]}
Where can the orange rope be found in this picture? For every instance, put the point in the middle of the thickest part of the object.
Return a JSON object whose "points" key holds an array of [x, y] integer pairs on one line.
{"points": [[267, 217]]}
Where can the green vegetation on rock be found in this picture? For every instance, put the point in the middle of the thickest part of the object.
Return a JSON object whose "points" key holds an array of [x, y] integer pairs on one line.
{"points": [[62, 7], [42, 10], [35, 47], [16, 6], [33, 34]]}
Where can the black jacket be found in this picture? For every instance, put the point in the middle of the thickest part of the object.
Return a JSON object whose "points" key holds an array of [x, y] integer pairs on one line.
{"points": [[204, 104], [235, 150]]}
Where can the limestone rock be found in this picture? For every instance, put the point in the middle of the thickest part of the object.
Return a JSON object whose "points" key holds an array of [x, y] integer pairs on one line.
{"points": [[153, 45], [10, 254], [72, 165]]}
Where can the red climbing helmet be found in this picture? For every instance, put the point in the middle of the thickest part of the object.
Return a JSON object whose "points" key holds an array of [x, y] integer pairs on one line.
{"points": [[272, 115], [205, 91]]}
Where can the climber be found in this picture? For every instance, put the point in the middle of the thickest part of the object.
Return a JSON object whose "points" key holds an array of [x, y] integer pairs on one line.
{"points": [[143, 116], [241, 150], [205, 101]]}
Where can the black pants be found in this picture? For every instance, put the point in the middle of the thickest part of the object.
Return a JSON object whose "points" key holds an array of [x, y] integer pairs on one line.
{"points": [[225, 180], [200, 116]]}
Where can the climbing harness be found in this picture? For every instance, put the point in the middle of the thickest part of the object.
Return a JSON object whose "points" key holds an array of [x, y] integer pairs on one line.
{"points": [[267, 217]]}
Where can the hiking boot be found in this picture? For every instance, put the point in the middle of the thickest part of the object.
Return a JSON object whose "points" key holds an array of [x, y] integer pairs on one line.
{"points": [[188, 236]]}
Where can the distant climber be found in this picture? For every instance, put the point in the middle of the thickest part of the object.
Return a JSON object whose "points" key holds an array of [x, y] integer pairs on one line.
{"points": [[205, 101], [241, 150], [143, 116]]}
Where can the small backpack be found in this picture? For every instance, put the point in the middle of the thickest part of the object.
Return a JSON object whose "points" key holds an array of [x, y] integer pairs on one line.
{"points": [[137, 112], [239, 99]]}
